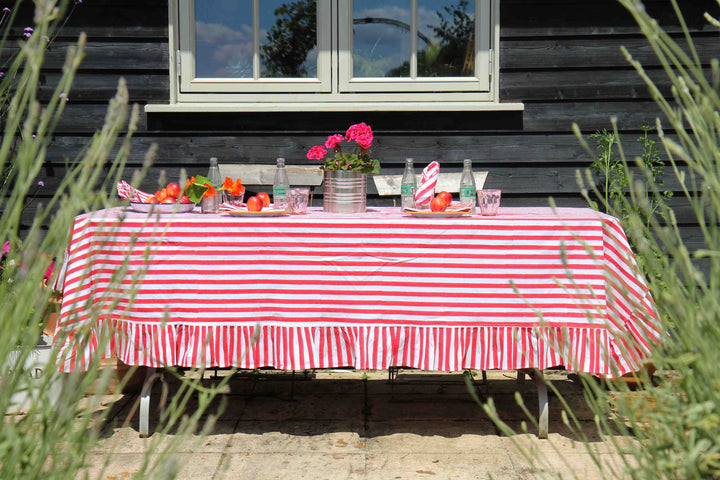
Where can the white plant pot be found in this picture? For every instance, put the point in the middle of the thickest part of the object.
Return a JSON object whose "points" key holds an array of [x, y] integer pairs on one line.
{"points": [[35, 365]]}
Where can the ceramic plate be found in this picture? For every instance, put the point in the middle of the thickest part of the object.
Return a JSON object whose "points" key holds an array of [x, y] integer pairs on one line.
{"points": [[162, 207], [429, 214], [452, 212], [261, 213]]}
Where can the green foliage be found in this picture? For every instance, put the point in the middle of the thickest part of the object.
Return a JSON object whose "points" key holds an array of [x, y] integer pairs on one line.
{"points": [[196, 190], [673, 425], [54, 438], [615, 176], [360, 162]]}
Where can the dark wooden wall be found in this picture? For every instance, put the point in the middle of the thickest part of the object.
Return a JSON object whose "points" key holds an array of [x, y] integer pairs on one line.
{"points": [[560, 57]]}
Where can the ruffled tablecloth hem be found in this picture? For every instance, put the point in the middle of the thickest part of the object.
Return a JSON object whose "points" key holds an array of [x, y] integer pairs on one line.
{"points": [[290, 347]]}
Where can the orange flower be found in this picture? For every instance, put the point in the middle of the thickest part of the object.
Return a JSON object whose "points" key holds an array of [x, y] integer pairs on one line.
{"points": [[188, 182], [237, 188], [210, 191], [227, 184]]}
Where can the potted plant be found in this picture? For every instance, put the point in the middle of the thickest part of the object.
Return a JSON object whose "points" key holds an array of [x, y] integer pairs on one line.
{"points": [[346, 173], [40, 321]]}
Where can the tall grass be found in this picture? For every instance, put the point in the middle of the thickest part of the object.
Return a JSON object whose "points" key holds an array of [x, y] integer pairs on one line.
{"points": [[675, 424], [54, 438]]}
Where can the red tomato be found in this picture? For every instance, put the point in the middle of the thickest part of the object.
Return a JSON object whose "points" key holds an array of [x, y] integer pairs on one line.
{"points": [[446, 196], [173, 190], [254, 204], [264, 197], [185, 199], [168, 200], [438, 204]]}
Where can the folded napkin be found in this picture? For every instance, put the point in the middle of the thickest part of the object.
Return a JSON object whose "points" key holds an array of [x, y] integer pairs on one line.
{"points": [[426, 190], [128, 192], [229, 207]]}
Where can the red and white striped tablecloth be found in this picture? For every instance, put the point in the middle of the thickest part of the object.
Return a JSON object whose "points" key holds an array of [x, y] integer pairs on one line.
{"points": [[527, 288]]}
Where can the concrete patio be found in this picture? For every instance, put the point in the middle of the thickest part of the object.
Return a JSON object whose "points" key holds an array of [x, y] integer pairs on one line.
{"points": [[357, 425]]}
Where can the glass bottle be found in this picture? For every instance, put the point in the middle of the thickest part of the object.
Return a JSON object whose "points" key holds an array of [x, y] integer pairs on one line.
{"points": [[408, 185], [468, 191], [280, 186], [212, 204]]}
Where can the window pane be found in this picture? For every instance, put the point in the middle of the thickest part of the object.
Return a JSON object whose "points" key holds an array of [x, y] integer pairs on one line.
{"points": [[223, 39], [446, 46], [288, 38], [381, 38]]}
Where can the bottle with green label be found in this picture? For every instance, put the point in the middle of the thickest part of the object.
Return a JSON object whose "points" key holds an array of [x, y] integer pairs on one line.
{"points": [[468, 191], [280, 186], [408, 185]]}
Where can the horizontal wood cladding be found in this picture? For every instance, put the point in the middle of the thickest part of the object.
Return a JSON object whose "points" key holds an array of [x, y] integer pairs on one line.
{"points": [[596, 52], [103, 19], [582, 84], [99, 87], [599, 52], [561, 58], [516, 182], [108, 55], [618, 84], [538, 117], [552, 18], [485, 151]]}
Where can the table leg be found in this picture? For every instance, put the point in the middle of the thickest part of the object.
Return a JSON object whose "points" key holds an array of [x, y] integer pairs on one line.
{"points": [[145, 402], [539, 380]]}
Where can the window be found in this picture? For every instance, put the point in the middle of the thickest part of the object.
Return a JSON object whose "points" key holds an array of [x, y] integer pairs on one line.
{"points": [[285, 55]]}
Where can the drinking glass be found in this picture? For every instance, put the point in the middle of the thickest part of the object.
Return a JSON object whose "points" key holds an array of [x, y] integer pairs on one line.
{"points": [[298, 200], [489, 201], [235, 200], [210, 204]]}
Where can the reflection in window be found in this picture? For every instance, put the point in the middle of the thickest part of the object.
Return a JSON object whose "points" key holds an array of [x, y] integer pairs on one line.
{"points": [[449, 26], [224, 45], [288, 33], [382, 38], [223, 39]]}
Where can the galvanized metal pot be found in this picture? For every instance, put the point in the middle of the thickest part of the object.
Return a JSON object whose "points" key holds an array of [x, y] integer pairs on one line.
{"points": [[345, 191]]}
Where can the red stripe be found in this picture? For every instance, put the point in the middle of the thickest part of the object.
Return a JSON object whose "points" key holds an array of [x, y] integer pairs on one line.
{"points": [[480, 253]]}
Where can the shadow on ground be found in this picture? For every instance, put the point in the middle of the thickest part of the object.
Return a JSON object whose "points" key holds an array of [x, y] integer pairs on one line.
{"points": [[366, 403]]}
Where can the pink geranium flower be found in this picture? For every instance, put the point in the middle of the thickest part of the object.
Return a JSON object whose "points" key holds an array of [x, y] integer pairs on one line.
{"points": [[358, 130], [317, 153], [360, 160], [365, 141], [333, 141]]}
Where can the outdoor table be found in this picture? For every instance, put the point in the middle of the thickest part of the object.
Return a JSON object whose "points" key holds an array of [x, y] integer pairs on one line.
{"points": [[530, 288]]}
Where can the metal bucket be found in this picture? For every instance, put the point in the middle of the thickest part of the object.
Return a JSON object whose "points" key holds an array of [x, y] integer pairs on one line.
{"points": [[345, 191]]}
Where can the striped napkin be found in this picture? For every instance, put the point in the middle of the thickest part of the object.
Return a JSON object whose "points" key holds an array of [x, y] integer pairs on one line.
{"points": [[229, 207], [426, 190], [128, 192]]}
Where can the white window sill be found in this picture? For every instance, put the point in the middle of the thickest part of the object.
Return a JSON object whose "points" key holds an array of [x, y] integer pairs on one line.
{"points": [[459, 106]]}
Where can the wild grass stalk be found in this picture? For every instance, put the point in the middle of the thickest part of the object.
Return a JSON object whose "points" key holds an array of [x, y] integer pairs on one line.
{"points": [[55, 436], [670, 429]]}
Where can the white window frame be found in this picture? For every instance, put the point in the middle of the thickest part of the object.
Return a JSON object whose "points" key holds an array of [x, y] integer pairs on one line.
{"points": [[336, 91]]}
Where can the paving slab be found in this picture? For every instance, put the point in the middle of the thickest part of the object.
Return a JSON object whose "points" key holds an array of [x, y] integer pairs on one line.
{"points": [[356, 425]]}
